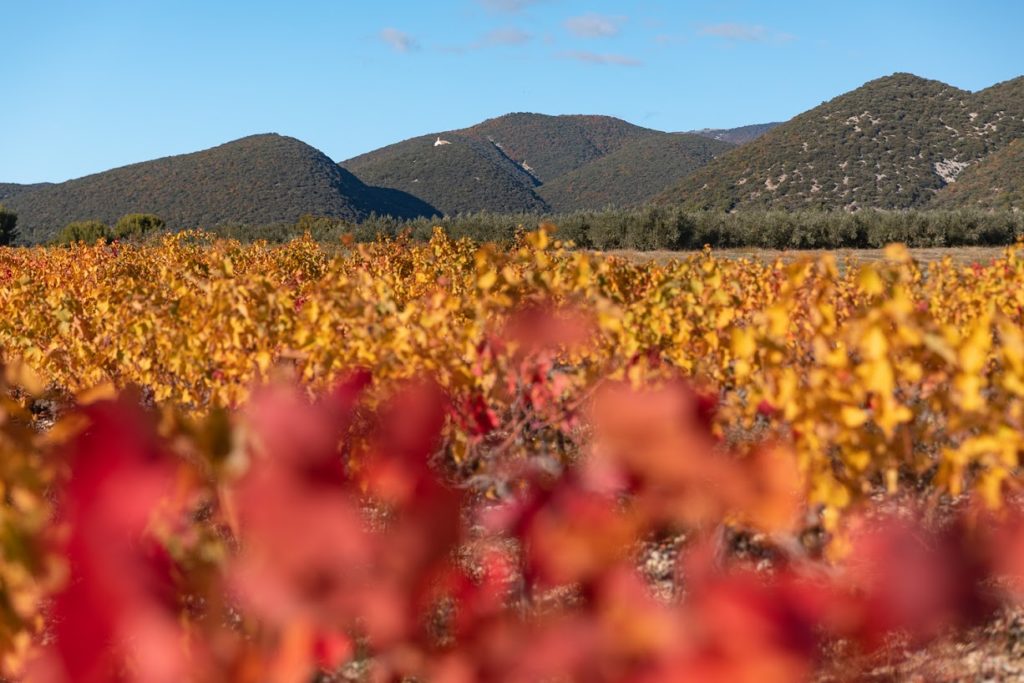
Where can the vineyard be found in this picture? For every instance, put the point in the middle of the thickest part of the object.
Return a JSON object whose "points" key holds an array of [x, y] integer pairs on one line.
{"points": [[447, 461]]}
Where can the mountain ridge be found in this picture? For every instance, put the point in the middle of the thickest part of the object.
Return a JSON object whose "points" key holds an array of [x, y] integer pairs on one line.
{"points": [[452, 172], [633, 174], [11, 189], [547, 148], [892, 143], [896, 142], [739, 135], [257, 179]]}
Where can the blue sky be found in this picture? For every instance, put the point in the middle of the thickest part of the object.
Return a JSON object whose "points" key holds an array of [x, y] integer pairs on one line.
{"points": [[89, 85]]}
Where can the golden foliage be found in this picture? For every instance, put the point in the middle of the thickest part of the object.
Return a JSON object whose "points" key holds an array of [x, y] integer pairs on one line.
{"points": [[880, 375]]}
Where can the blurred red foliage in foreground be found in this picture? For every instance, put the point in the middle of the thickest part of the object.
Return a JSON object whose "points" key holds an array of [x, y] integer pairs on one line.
{"points": [[324, 535]]}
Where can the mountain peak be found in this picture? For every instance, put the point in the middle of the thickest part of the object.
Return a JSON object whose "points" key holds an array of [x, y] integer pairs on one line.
{"points": [[497, 164], [891, 143], [255, 180], [897, 142]]}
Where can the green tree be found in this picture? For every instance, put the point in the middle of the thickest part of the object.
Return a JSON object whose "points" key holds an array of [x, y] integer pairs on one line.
{"points": [[84, 231], [324, 228], [135, 226], [8, 226]]}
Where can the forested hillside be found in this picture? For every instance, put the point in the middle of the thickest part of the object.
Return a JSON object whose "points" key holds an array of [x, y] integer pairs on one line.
{"points": [[892, 143], [737, 136], [256, 180], [634, 173], [996, 182], [895, 143], [458, 174]]}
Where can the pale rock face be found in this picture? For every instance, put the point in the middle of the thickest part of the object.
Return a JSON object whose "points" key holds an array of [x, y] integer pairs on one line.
{"points": [[948, 170], [773, 185]]}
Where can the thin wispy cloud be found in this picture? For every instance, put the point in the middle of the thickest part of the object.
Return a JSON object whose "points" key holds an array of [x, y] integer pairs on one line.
{"points": [[503, 36], [500, 37], [745, 33], [600, 58], [509, 6], [594, 25], [670, 39], [400, 41]]}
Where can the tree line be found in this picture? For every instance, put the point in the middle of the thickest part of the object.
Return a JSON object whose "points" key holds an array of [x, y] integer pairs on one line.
{"points": [[670, 228], [643, 229], [134, 226]]}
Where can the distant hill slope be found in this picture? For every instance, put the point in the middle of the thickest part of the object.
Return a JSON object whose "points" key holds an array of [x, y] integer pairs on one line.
{"points": [[892, 143], [634, 173], [996, 182], [554, 145], [466, 174], [8, 190], [256, 180], [737, 136], [496, 165]]}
